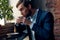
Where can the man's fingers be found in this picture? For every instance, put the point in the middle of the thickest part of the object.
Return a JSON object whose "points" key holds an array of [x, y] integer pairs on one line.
{"points": [[21, 19]]}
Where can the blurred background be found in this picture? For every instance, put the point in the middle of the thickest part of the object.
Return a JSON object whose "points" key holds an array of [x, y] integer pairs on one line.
{"points": [[47, 5]]}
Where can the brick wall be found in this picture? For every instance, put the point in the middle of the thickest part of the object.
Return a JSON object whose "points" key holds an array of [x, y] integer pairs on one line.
{"points": [[54, 7]]}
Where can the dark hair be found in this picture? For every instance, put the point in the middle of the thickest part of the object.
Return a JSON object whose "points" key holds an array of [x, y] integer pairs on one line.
{"points": [[25, 3]]}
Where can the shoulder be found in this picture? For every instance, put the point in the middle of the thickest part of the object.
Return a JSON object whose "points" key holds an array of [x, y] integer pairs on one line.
{"points": [[46, 13], [49, 15], [42, 14]]}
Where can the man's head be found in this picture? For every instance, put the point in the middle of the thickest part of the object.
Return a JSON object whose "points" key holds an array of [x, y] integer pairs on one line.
{"points": [[25, 7]]}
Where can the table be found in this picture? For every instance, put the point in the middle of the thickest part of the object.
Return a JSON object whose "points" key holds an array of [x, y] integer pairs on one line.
{"points": [[13, 36]]}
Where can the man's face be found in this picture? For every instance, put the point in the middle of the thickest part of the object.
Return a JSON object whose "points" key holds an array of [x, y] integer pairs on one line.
{"points": [[24, 11]]}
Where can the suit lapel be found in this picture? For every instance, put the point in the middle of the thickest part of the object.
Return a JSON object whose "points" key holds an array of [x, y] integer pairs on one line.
{"points": [[38, 16]]}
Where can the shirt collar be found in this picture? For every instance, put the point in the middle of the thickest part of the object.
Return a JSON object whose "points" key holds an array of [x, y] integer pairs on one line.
{"points": [[35, 14]]}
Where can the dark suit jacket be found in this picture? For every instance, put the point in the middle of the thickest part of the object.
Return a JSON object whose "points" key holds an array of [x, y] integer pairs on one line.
{"points": [[43, 27]]}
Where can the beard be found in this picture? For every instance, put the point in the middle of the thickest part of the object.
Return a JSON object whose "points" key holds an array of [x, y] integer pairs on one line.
{"points": [[29, 13]]}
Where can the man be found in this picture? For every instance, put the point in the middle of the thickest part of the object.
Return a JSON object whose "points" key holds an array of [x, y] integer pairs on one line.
{"points": [[40, 22]]}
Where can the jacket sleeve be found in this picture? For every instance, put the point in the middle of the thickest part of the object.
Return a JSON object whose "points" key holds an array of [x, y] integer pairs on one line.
{"points": [[46, 28]]}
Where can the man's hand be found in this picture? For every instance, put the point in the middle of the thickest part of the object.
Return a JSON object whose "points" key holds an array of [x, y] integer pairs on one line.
{"points": [[27, 22], [19, 20], [23, 20]]}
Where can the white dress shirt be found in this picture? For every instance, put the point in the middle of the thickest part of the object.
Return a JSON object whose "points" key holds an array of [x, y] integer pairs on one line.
{"points": [[33, 20]]}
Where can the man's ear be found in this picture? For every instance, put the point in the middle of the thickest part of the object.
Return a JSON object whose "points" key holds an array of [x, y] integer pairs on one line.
{"points": [[29, 6]]}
